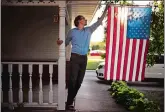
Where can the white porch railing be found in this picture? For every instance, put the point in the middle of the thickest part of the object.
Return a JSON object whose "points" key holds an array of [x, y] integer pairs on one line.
{"points": [[30, 102]]}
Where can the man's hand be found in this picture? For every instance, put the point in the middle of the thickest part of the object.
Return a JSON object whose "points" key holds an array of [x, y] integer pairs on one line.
{"points": [[104, 12], [59, 42]]}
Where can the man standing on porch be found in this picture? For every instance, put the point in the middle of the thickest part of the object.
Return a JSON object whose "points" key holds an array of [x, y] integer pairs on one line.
{"points": [[80, 40]]}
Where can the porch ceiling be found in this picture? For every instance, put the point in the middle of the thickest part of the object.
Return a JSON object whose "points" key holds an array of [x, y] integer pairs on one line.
{"points": [[85, 8]]}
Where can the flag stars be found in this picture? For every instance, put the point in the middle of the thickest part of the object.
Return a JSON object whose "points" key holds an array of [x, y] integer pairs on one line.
{"points": [[138, 26]]}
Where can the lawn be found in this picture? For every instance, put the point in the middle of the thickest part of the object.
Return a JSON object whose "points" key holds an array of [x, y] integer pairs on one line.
{"points": [[93, 62]]}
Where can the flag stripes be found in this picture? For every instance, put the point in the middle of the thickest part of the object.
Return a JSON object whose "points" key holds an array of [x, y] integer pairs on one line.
{"points": [[125, 57]]}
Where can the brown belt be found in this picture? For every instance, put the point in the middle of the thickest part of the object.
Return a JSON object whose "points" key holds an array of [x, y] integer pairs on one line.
{"points": [[77, 54]]}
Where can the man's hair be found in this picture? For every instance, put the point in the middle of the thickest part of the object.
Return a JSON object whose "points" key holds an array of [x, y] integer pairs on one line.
{"points": [[79, 17]]}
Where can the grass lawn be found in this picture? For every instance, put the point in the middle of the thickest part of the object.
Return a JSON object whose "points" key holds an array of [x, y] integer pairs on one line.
{"points": [[93, 63]]}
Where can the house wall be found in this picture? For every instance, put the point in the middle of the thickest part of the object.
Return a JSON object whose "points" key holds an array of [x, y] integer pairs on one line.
{"points": [[29, 33]]}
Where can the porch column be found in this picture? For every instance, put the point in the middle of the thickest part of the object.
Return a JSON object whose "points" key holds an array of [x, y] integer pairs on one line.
{"points": [[68, 48], [61, 60]]}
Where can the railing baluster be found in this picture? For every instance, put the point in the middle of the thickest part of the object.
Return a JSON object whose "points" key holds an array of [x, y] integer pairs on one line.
{"points": [[30, 84], [50, 84], [40, 84], [10, 84], [30, 101], [1, 84], [20, 84]]}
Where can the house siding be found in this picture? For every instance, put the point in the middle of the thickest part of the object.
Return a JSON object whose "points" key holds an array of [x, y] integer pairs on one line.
{"points": [[29, 33]]}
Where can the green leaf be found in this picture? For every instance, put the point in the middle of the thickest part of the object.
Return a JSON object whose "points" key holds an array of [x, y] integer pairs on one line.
{"points": [[131, 107]]}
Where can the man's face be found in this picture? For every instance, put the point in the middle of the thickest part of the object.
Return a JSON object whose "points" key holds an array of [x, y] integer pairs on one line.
{"points": [[83, 21]]}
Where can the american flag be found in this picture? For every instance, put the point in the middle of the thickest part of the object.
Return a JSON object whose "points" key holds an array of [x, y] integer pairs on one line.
{"points": [[128, 31]]}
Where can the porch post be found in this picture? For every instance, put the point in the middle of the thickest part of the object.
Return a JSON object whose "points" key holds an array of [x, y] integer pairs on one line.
{"points": [[61, 60]]}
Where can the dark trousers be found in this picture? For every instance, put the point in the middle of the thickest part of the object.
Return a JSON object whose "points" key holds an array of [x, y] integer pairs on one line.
{"points": [[77, 71]]}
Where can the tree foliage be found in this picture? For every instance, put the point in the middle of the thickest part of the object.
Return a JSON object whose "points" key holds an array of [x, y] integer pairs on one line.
{"points": [[98, 46], [95, 47], [156, 41]]}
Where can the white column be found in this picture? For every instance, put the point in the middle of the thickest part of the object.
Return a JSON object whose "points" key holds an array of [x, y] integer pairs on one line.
{"points": [[30, 94], [68, 48], [40, 85], [61, 60], [50, 84], [10, 84], [20, 84], [1, 83]]}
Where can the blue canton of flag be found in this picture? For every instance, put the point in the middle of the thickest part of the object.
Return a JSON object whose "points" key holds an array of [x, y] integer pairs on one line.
{"points": [[138, 23]]}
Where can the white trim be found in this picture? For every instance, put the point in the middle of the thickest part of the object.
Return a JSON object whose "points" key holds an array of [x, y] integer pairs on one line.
{"points": [[56, 3], [26, 3], [34, 104], [62, 57], [36, 63]]}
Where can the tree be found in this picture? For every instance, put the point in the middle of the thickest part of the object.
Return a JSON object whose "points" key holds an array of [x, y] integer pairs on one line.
{"points": [[95, 47], [156, 41]]}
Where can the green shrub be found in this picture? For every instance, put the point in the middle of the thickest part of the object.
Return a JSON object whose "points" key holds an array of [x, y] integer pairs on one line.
{"points": [[131, 98], [103, 56]]}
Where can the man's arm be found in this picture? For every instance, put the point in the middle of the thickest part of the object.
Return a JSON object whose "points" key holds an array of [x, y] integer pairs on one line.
{"points": [[99, 21], [68, 38]]}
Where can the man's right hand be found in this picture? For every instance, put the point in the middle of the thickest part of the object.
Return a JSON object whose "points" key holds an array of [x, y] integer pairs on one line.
{"points": [[59, 42]]}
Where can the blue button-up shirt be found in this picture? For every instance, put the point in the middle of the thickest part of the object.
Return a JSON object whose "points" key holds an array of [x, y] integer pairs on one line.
{"points": [[80, 39]]}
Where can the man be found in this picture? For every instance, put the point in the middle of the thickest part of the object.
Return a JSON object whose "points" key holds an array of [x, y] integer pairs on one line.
{"points": [[80, 39]]}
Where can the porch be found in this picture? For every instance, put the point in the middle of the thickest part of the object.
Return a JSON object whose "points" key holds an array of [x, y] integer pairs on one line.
{"points": [[33, 67], [93, 96]]}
